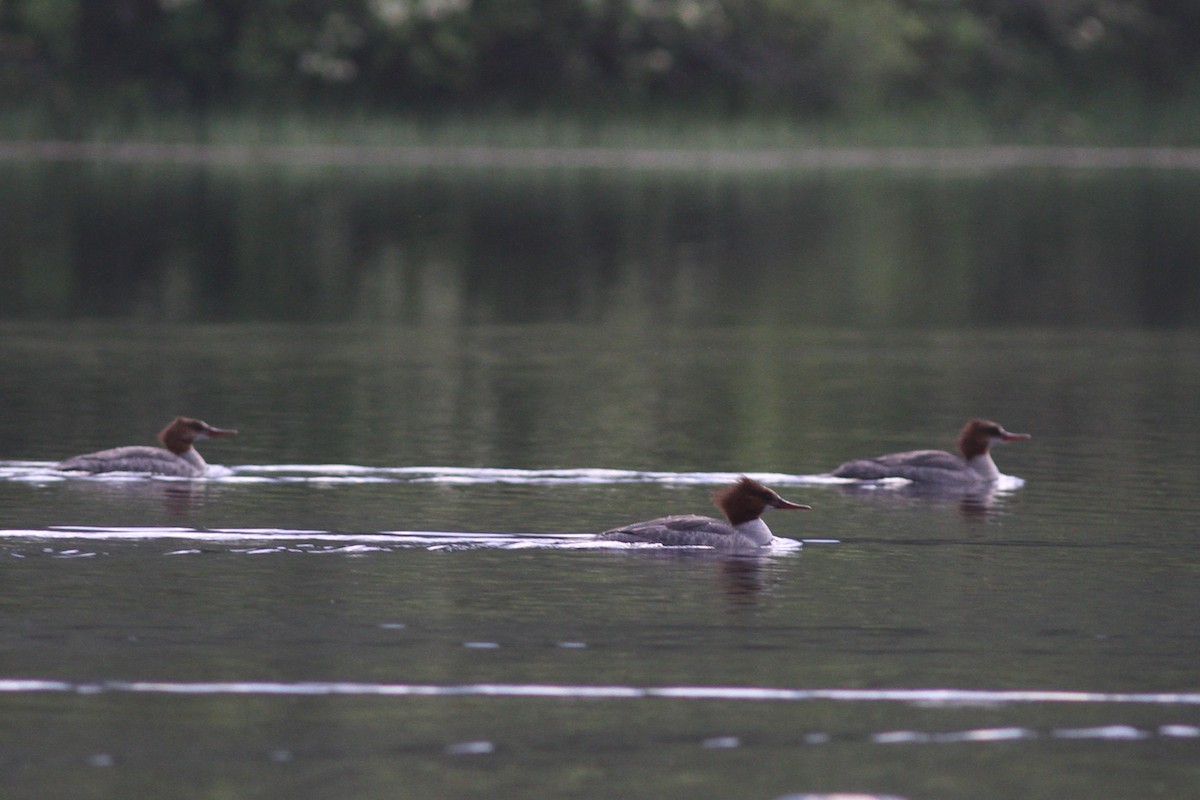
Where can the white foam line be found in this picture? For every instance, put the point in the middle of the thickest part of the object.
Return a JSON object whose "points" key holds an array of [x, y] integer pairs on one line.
{"points": [[614, 692], [1180, 731], [988, 735], [320, 469], [432, 540], [354, 474], [18, 686], [334, 474], [582, 475], [1102, 732], [234, 535], [115, 530], [189, 534], [975, 735]]}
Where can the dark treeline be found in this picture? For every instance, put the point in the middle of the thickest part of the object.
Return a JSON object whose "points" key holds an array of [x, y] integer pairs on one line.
{"points": [[809, 55]]}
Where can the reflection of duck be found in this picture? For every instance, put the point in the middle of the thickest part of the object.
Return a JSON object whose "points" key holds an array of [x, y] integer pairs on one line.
{"points": [[179, 458], [974, 466], [742, 579], [176, 498], [743, 503], [974, 500]]}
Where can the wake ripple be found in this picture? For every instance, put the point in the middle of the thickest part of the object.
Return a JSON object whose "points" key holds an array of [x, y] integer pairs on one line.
{"points": [[918, 696], [921, 697], [332, 474], [262, 541]]}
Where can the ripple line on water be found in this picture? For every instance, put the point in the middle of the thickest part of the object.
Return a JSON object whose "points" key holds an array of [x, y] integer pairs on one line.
{"points": [[354, 474], [928, 697], [581, 476], [1116, 732], [284, 540], [473, 156]]}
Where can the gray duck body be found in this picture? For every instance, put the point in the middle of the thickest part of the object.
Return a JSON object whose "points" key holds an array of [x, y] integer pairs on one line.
{"points": [[683, 530], [177, 457], [138, 458]]}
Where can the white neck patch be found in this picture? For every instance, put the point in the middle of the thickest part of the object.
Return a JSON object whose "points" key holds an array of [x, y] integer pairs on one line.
{"points": [[193, 458], [756, 530], [984, 467]]}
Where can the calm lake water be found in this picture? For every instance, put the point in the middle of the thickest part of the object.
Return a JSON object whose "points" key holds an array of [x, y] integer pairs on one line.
{"points": [[443, 378]]}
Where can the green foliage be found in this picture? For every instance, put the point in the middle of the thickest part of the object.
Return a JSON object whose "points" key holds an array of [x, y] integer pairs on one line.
{"points": [[837, 55]]}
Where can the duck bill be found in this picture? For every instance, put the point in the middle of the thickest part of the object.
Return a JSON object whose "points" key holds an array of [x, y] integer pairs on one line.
{"points": [[1005, 436], [785, 504], [215, 432]]}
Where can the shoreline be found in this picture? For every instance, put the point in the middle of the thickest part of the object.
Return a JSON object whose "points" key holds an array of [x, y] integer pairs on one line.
{"points": [[622, 158]]}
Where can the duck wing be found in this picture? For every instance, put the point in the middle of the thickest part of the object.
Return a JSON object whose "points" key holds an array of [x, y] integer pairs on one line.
{"points": [[136, 458], [900, 465], [680, 530]]}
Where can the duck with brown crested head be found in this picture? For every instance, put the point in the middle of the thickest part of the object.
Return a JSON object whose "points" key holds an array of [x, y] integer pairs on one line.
{"points": [[973, 466], [176, 457], [743, 503]]}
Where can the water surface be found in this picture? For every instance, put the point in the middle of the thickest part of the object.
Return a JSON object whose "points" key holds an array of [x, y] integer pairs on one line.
{"points": [[392, 593]]}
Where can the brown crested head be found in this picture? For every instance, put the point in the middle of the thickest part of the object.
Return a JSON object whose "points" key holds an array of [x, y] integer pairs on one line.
{"points": [[978, 435], [179, 435], [746, 499]]}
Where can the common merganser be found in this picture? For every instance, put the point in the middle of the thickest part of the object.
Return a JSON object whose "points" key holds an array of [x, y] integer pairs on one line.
{"points": [[179, 458], [743, 502], [975, 465]]}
